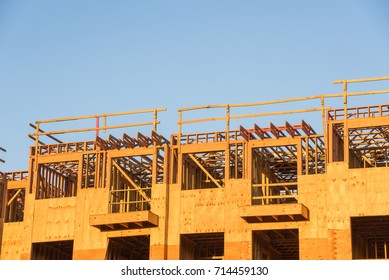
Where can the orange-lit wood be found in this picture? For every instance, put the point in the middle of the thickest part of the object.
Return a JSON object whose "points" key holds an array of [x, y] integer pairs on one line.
{"points": [[270, 191]]}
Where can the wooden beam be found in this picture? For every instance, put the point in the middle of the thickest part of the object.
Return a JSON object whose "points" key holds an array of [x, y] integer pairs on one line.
{"points": [[306, 128], [259, 131], [274, 130], [111, 226], [114, 142], [205, 171], [259, 218], [125, 225], [143, 140], [129, 141], [290, 129], [244, 133]]}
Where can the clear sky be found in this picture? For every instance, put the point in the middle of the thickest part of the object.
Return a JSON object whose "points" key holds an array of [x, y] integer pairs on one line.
{"points": [[71, 57]]}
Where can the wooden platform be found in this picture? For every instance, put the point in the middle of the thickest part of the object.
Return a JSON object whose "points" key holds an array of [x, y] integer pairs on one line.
{"points": [[274, 213], [119, 221]]}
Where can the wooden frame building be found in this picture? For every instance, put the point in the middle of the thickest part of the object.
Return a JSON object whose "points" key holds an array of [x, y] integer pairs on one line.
{"points": [[264, 192]]}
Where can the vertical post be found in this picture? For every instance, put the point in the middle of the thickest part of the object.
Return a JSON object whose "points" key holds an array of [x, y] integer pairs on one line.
{"points": [[228, 123], [179, 130], [330, 142], [323, 120], [155, 120], [154, 164], [316, 160], [300, 158], [345, 132], [36, 164], [307, 156], [109, 170], [97, 126], [322, 112], [227, 155], [386, 252], [179, 155], [375, 249], [105, 124]]}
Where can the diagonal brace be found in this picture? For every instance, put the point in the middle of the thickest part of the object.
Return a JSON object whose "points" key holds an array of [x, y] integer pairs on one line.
{"points": [[205, 170], [14, 196], [139, 189]]}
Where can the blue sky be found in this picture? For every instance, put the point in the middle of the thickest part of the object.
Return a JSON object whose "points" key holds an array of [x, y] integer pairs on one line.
{"points": [[71, 58]]}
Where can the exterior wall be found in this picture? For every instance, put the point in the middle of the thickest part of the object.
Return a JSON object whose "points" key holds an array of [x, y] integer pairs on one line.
{"points": [[331, 199]]}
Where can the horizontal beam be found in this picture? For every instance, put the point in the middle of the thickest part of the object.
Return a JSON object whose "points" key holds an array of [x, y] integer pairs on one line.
{"points": [[102, 115], [203, 107], [275, 184], [203, 120], [361, 80], [278, 113], [92, 128]]}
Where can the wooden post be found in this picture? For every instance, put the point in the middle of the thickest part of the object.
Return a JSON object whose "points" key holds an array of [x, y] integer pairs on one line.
{"points": [[227, 152], [155, 120], [345, 127], [97, 126]]}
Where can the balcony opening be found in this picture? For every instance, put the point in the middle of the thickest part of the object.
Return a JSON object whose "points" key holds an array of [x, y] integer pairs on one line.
{"points": [[56, 180], [276, 244], [204, 246], [59, 250], [128, 248], [369, 147], [93, 170], [274, 175], [203, 170], [370, 237], [14, 211], [237, 152], [131, 182]]}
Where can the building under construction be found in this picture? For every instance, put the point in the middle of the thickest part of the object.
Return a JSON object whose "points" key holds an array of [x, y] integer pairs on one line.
{"points": [[243, 193]]}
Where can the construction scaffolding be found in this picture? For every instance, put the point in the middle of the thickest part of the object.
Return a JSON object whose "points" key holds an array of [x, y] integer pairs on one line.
{"points": [[260, 192]]}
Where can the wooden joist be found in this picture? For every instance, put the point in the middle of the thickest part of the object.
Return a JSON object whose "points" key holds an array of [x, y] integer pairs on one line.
{"points": [[158, 139], [103, 144], [290, 129], [129, 141], [244, 133], [260, 132], [274, 130], [114, 142], [144, 141]]}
